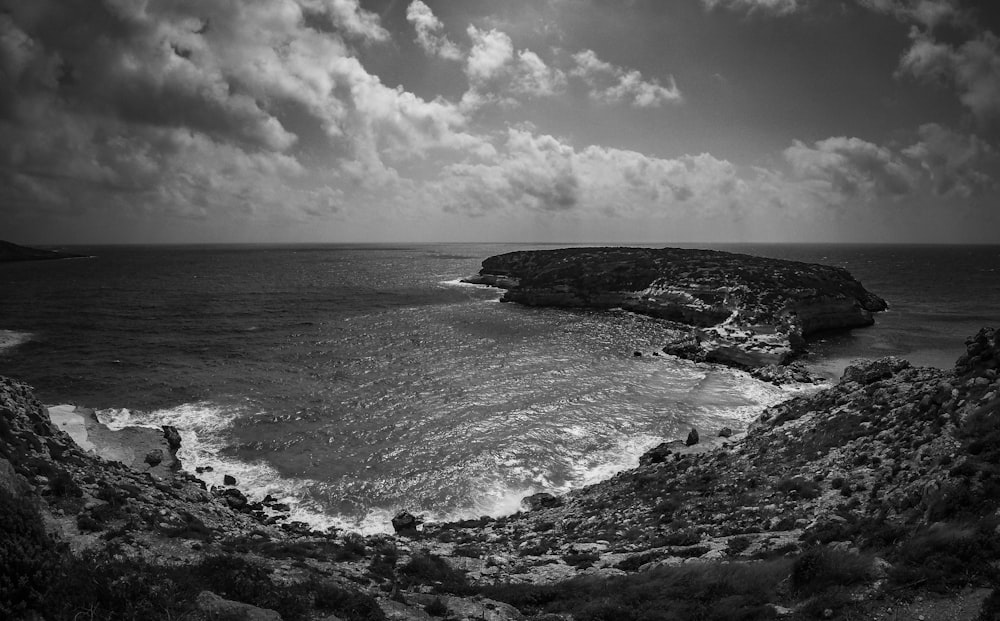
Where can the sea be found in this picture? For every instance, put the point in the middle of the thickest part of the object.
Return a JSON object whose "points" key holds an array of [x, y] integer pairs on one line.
{"points": [[355, 381]]}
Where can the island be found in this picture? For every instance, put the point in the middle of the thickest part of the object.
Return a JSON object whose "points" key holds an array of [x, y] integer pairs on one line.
{"points": [[12, 252], [737, 309]]}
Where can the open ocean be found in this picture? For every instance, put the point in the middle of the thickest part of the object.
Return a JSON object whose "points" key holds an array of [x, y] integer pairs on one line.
{"points": [[354, 381]]}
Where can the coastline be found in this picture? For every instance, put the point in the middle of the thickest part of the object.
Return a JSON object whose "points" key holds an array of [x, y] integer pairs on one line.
{"points": [[818, 481], [127, 436]]}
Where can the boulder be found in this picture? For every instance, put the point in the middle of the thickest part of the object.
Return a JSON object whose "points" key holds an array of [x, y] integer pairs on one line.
{"points": [[216, 607], [405, 523], [868, 371], [659, 453], [235, 498], [154, 457], [725, 432], [692, 438], [229, 480], [172, 436], [542, 500], [982, 353]]}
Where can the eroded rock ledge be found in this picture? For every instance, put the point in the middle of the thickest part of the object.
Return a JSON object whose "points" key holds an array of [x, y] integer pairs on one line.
{"points": [[739, 309]]}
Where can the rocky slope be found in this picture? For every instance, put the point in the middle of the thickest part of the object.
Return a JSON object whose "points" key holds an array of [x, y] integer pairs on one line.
{"points": [[744, 310], [874, 498]]}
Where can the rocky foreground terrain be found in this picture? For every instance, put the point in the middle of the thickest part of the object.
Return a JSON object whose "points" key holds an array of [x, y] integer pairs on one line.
{"points": [[876, 498], [737, 309]]}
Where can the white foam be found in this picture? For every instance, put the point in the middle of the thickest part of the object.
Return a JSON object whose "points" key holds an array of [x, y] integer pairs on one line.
{"points": [[203, 427], [458, 282], [623, 456], [9, 339]]}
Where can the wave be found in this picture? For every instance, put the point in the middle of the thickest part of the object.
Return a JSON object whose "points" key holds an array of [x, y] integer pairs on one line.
{"points": [[10, 339], [203, 427]]}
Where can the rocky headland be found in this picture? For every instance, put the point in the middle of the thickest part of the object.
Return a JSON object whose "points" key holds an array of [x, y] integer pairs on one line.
{"points": [[735, 309], [13, 252]]}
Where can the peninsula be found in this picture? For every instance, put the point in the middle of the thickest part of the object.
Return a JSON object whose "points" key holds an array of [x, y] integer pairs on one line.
{"points": [[13, 252], [737, 309]]}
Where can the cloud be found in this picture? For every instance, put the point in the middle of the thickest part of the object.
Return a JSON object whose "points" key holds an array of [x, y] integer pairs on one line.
{"points": [[543, 174], [972, 67], [182, 106], [773, 7], [929, 13], [842, 169], [429, 28], [611, 84], [348, 17], [498, 74], [533, 172], [956, 164]]}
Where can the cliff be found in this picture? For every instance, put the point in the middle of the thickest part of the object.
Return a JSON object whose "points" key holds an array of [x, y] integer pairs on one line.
{"points": [[743, 310], [13, 252], [876, 498]]}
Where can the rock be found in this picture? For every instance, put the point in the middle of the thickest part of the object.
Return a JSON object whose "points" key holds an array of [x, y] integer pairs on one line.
{"points": [[235, 498], [172, 436], [405, 523], [637, 354], [201, 469], [154, 457], [868, 371], [725, 432], [229, 480], [982, 353], [780, 375], [216, 607], [542, 500], [397, 611], [692, 438], [660, 452]]}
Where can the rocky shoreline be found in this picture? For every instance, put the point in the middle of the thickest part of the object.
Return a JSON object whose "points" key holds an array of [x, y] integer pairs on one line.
{"points": [[875, 498], [740, 310]]}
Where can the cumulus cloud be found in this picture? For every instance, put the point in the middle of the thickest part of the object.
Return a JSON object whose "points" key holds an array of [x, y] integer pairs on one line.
{"points": [[773, 7], [955, 164], [611, 84], [542, 173], [186, 105], [843, 168], [499, 74], [348, 17], [429, 28], [972, 67]]}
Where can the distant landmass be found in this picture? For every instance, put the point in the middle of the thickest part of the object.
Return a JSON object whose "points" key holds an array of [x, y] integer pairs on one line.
{"points": [[13, 252], [743, 310]]}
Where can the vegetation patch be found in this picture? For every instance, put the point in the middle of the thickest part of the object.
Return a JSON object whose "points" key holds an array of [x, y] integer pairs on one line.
{"points": [[728, 591]]}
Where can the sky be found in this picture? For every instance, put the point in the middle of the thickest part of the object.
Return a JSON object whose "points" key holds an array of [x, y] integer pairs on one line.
{"points": [[646, 121]]}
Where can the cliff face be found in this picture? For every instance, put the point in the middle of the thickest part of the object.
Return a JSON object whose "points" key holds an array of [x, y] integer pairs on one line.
{"points": [[746, 310]]}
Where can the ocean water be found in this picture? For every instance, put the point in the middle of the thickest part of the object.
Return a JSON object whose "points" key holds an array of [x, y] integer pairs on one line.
{"points": [[355, 381]]}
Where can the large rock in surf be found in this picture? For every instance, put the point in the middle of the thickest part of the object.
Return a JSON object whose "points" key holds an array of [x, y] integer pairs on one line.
{"points": [[743, 310]]}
